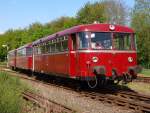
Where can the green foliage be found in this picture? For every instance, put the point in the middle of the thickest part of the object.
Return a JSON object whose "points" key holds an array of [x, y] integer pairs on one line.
{"points": [[19, 37], [141, 24], [10, 94], [116, 11], [91, 12], [3, 63], [146, 72], [109, 11]]}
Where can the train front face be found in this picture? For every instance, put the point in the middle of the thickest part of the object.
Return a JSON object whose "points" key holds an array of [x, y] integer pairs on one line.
{"points": [[110, 55]]}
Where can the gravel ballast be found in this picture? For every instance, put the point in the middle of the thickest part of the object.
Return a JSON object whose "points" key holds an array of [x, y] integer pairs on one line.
{"points": [[75, 101]]}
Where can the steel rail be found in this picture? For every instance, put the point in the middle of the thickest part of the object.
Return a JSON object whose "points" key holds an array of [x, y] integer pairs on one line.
{"points": [[46, 103], [142, 79]]}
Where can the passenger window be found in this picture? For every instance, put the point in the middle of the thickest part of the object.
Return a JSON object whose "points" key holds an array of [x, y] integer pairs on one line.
{"points": [[65, 43], [53, 46], [43, 48], [39, 49], [29, 51], [49, 49], [46, 48], [36, 50], [74, 41], [83, 40], [24, 52], [58, 45]]}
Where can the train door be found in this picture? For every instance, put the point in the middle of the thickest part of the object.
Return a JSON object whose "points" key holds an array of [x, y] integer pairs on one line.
{"points": [[73, 55], [65, 56], [61, 56], [33, 59]]}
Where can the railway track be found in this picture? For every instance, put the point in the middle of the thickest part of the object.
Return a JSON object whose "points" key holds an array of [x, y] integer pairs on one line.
{"points": [[125, 99], [122, 101], [143, 79], [48, 105]]}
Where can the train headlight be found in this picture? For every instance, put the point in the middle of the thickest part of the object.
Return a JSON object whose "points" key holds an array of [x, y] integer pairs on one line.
{"points": [[112, 27], [95, 59], [130, 59]]}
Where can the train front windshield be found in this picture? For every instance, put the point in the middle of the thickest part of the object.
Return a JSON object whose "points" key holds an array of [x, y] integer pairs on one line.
{"points": [[106, 41], [117, 41], [100, 40]]}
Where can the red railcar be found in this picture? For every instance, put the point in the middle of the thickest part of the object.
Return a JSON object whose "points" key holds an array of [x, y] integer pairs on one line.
{"points": [[24, 57], [12, 59], [88, 52]]}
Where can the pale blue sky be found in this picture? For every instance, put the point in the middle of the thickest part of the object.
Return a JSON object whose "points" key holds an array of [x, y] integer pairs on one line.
{"points": [[20, 13]]}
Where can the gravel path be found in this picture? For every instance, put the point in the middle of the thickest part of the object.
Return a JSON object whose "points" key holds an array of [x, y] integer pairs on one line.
{"points": [[74, 101]]}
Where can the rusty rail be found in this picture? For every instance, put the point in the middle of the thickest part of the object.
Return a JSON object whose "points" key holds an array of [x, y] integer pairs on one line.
{"points": [[143, 79], [125, 100], [48, 105]]}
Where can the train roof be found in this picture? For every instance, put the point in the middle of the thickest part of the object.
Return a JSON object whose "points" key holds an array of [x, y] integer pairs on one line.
{"points": [[25, 46], [12, 51], [87, 27]]}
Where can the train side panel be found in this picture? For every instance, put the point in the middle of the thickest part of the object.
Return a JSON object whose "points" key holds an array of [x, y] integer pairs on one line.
{"points": [[12, 59], [24, 62], [52, 63]]}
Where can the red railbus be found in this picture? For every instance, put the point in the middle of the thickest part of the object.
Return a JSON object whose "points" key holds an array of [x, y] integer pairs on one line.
{"points": [[24, 57], [12, 59], [94, 52]]}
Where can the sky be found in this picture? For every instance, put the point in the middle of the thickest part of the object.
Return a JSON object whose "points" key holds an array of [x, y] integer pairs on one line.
{"points": [[21, 13]]}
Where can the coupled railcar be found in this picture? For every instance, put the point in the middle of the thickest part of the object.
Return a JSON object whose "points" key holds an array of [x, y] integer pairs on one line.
{"points": [[91, 52], [24, 57], [12, 59]]}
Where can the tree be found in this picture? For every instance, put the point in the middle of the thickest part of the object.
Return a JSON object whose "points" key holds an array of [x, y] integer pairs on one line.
{"points": [[116, 11], [110, 11], [61, 23], [140, 21], [91, 12]]}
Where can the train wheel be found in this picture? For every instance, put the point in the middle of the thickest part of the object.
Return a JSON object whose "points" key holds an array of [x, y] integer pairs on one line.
{"points": [[92, 83], [129, 77]]}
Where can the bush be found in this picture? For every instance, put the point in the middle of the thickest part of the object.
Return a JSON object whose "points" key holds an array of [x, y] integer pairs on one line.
{"points": [[10, 94]]}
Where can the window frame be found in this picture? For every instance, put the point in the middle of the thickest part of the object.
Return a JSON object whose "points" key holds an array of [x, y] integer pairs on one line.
{"points": [[132, 42], [78, 40]]}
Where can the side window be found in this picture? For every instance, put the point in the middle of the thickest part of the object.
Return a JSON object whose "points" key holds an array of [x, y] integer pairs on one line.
{"points": [[35, 50], [133, 41], [21, 52], [46, 47], [49, 46], [29, 51], [53, 46], [42, 48], [24, 51], [65, 43], [39, 49], [58, 45], [83, 40], [74, 41]]}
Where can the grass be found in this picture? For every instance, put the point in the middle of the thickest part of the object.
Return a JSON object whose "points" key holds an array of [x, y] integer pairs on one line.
{"points": [[3, 63], [10, 94], [146, 72], [140, 87]]}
